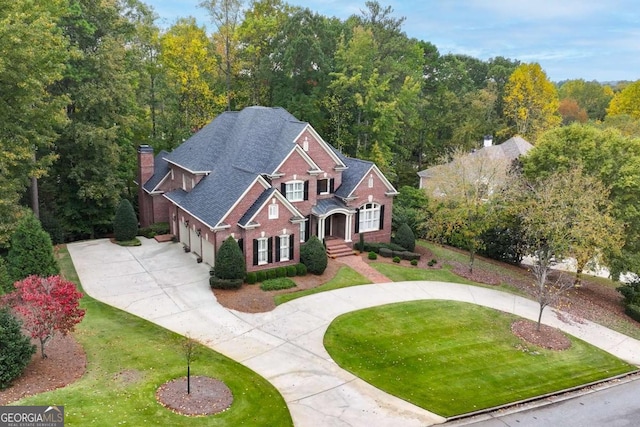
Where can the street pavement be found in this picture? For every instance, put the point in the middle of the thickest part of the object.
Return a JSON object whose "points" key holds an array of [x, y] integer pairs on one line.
{"points": [[163, 284]]}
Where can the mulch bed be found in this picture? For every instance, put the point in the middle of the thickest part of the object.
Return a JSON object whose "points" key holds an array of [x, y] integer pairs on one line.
{"points": [[547, 337], [207, 396]]}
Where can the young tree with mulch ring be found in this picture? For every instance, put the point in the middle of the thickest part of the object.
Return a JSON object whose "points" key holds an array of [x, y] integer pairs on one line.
{"points": [[48, 305], [15, 349]]}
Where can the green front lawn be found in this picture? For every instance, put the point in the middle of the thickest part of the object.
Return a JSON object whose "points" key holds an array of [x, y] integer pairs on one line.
{"points": [[453, 358], [128, 358], [344, 278]]}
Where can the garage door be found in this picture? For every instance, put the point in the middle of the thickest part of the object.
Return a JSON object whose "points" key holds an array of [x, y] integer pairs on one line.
{"points": [[184, 233], [208, 254], [195, 241]]}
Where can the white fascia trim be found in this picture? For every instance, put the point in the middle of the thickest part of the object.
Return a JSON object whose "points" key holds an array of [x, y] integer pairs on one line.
{"points": [[385, 181], [192, 214], [296, 148], [259, 179], [283, 200], [160, 183], [339, 210], [187, 169], [323, 144]]}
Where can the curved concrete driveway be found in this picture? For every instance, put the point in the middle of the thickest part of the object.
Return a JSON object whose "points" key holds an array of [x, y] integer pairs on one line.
{"points": [[161, 283]]}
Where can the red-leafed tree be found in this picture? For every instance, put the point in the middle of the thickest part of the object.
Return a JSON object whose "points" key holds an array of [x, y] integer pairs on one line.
{"points": [[48, 305]]}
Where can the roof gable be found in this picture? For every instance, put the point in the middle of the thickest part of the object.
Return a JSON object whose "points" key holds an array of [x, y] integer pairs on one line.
{"points": [[248, 219]]}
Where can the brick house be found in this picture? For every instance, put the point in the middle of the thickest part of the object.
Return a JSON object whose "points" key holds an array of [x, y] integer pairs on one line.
{"points": [[269, 181]]}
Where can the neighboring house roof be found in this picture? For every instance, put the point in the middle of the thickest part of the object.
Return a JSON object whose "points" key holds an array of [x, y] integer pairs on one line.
{"points": [[160, 171], [509, 150], [238, 149]]}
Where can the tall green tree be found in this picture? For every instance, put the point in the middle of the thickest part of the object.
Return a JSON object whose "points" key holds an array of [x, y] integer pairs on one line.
{"points": [[531, 101], [95, 151], [614, 160], [593, 97], [34, 53], [563, 214], [626, 101], [226, 15]]}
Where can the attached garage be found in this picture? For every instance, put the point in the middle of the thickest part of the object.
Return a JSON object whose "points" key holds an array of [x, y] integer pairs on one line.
{"points": [[208, 252]]}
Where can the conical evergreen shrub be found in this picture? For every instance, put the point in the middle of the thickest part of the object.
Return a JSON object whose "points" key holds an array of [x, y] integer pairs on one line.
{"points": [[15, 349], [405, 237], [125, 223], [31, 251], [314, 255]]}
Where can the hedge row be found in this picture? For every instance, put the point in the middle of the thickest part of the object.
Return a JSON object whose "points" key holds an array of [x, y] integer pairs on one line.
{"points": [[633, 311], [153, 230], [274, 273], [218, 283], [375, 247], [406, 255]]}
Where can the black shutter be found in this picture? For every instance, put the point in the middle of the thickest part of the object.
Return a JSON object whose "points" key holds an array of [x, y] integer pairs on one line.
{"points": [[381, 217], [357, 221], [331, 185], [277, 248], [270, 250], [291, 240], [283, 189], [241, 245], [306, 191], [255, 251], [307, 228], [318, 187]]}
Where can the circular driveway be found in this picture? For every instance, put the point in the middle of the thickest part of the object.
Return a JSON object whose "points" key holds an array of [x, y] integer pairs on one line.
{"points": [[163, 284]]}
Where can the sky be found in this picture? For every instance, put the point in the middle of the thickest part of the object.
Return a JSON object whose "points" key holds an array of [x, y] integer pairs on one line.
{"points": [[570, 39]]}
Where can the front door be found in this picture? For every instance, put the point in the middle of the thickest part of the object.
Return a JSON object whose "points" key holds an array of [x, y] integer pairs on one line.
{"points": [[327, 226]]}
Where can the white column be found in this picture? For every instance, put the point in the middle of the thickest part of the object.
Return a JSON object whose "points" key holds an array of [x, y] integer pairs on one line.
{"points": [[347, 228], [321, 228]]}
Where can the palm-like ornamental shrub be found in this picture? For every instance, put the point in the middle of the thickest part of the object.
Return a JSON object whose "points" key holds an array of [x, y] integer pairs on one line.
{"points": [[31, 251], [15, 349], [313, 255], [405, 237], [230, 263], [125, 223]]}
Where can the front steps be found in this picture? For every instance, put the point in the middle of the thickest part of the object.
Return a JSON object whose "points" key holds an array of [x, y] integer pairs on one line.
{"points": [[337, 248]]}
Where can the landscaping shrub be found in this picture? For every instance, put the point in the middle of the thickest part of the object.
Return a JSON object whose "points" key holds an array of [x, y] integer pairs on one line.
{"points": [[252, 277], [261, 275], [160, 228], [291, 270], [630, 292], [405, 238], [6, 284], [277, 284], [16, 349], [271, 274], [375, 247], [406, 255], [146, 232], [414, 262], [633, 311], [230, 263], [360, 244], [386, 252], [301, 269], [372, 255], [281, 272], [314, 255], [125, 223], [432, 263], [218, 283], [31, 251], [396, 259]]}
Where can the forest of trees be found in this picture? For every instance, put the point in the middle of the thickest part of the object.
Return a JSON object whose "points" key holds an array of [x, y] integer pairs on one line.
{"points": [[83, 83]]}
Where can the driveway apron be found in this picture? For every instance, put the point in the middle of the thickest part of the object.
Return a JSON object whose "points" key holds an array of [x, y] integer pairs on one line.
{"points": [[163, 284]]}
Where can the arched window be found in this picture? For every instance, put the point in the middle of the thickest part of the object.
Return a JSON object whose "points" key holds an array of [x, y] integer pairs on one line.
{"points": [[369, 217]]}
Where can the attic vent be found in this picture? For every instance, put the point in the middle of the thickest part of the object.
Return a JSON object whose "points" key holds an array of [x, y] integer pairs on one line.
{"points": [[305, 144]]}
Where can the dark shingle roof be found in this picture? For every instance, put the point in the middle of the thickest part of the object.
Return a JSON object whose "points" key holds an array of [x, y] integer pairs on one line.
{"points": [[355, 172], [234, 150], [244, 221], [324, 206], [160, 170]]}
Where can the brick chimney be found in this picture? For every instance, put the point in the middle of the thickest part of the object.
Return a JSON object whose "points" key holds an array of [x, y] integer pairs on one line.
{"points": [[145, 164]]}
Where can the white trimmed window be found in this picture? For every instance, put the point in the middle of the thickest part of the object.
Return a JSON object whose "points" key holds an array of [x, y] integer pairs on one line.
{"points": [[273, 211], [263, 251], [284, 247], [303, 231], [295, 191], [370, 217]]}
